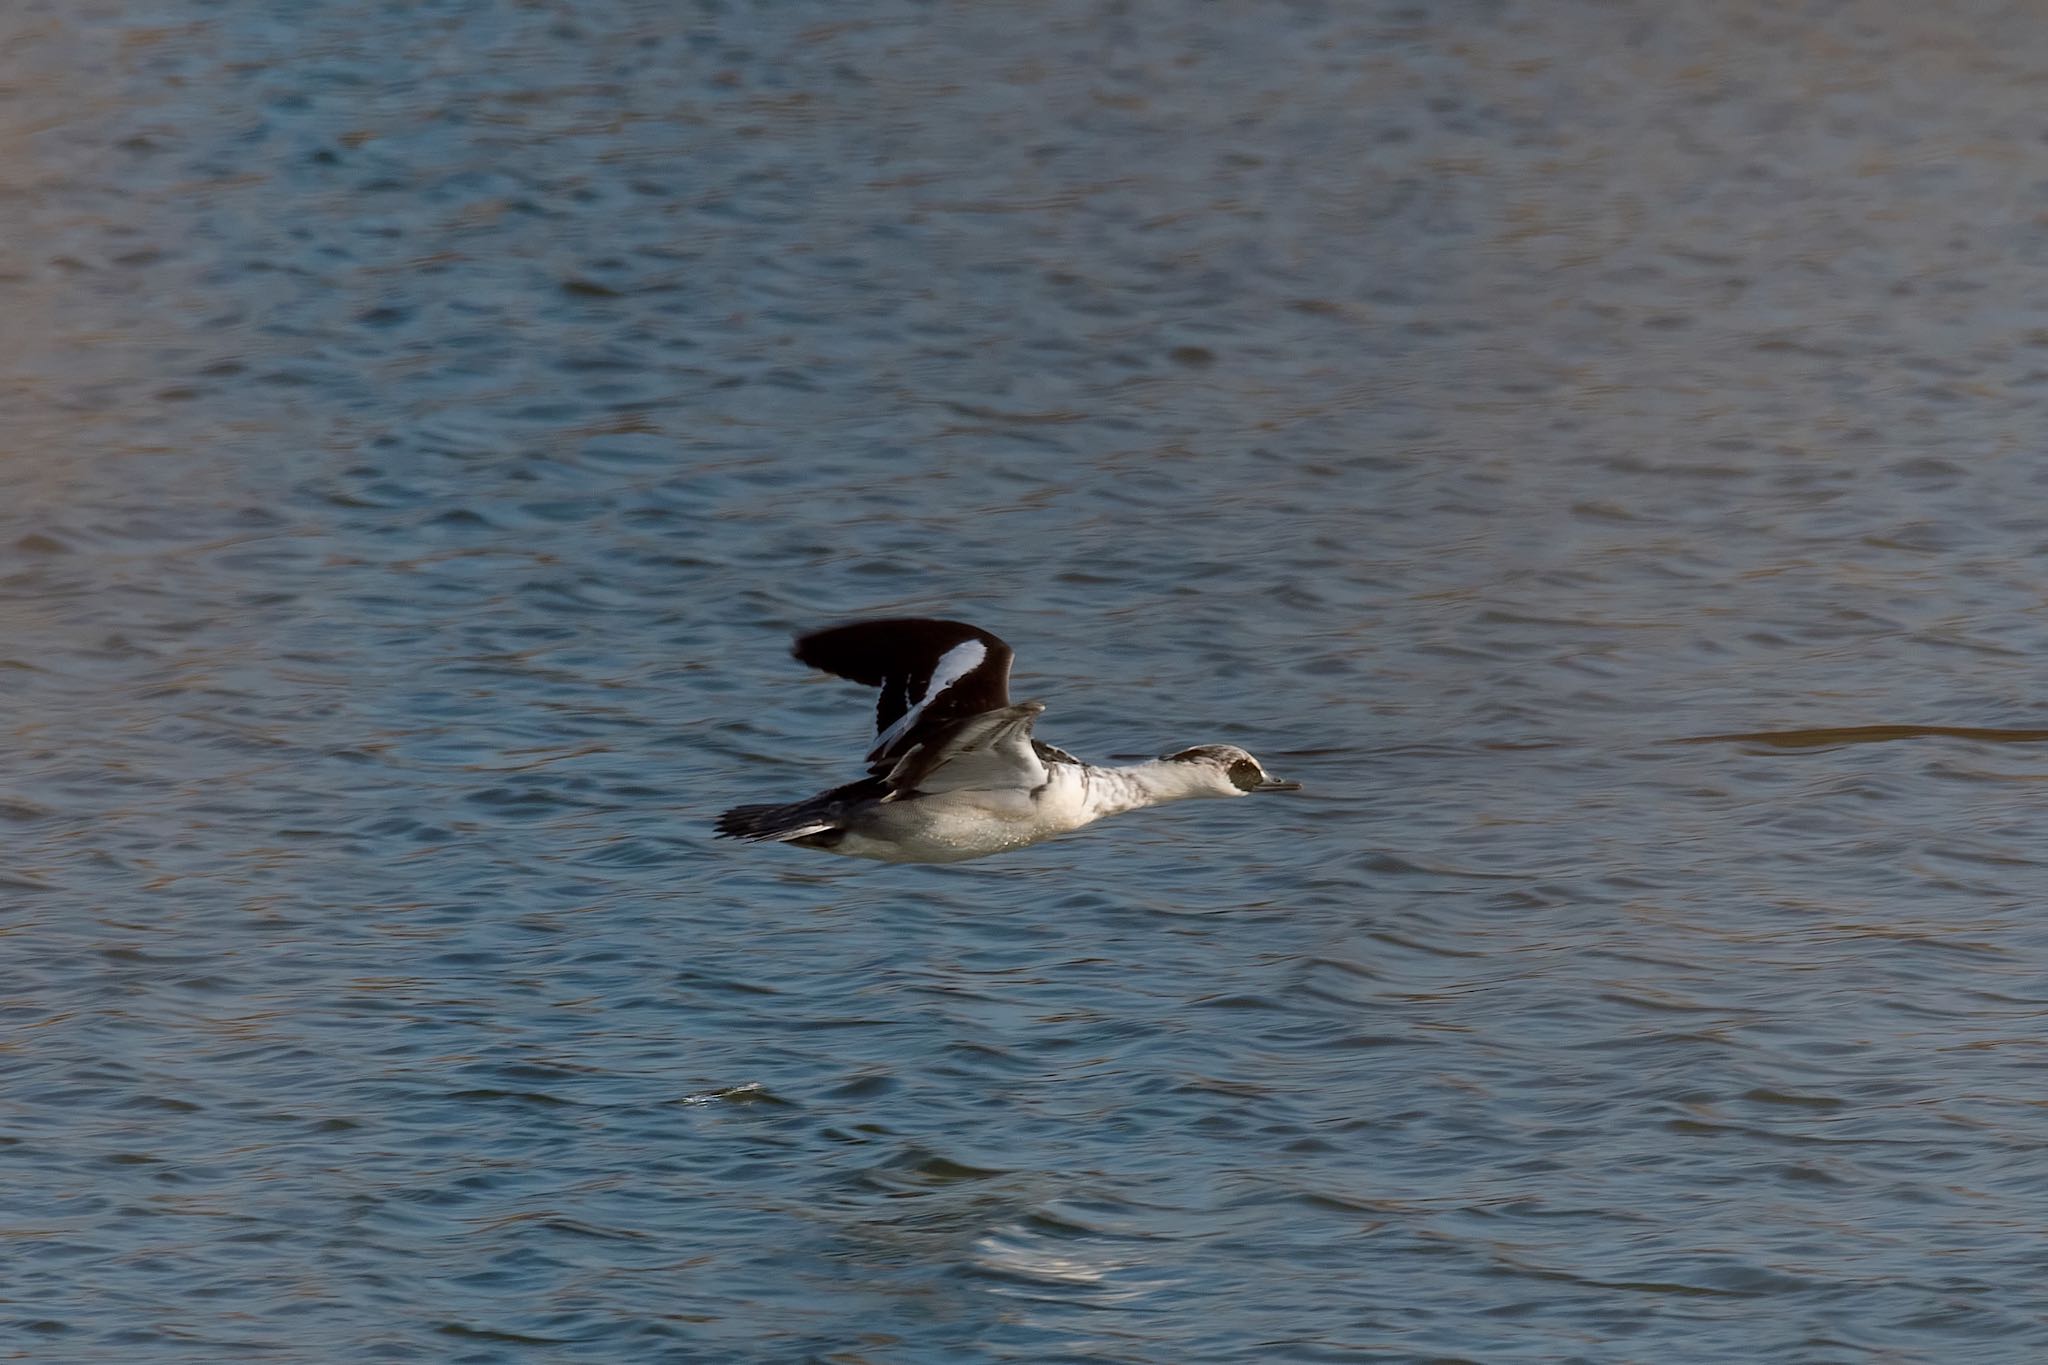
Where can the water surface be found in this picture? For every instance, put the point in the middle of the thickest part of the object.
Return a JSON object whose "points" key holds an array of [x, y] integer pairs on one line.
{"points": [[424, 425]]}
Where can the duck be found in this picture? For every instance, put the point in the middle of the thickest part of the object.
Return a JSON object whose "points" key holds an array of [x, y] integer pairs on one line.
{"points": [[954, 772]]}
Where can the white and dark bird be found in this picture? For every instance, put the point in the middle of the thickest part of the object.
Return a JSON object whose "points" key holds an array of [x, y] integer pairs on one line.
{"points": [[954, 772]]}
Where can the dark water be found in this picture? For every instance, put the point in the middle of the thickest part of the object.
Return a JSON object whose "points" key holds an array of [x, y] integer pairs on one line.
{"points": [[422, 424]]}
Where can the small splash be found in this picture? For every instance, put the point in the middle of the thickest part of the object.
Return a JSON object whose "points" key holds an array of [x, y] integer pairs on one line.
{"points": [[751, 1092], [1868, 734]]}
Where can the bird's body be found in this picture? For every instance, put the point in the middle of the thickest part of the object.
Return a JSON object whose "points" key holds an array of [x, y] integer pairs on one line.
{"points": [[954, 773]]}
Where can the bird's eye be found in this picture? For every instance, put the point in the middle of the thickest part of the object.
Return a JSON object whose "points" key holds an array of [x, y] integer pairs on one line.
{"points": [[1245, 774]]}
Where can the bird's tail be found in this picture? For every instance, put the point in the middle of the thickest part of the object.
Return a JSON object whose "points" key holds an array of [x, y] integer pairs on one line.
{"points": [[773, 824]]}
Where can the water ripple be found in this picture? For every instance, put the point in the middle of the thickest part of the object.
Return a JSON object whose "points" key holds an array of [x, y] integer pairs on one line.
{"points": [[424, 429]]}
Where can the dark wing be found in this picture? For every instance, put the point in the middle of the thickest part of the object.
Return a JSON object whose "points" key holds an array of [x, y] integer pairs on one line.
{"points": [[933, 675], [1048, 754]]}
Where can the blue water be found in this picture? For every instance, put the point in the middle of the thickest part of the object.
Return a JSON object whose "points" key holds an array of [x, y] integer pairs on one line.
{"points": [[422, 427]]}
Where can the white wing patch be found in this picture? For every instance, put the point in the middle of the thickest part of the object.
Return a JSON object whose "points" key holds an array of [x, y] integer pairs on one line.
{"points": [[955, 664]]}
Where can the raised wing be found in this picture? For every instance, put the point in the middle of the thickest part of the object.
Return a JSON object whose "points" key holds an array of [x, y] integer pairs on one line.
{"points": [[933, 675]]}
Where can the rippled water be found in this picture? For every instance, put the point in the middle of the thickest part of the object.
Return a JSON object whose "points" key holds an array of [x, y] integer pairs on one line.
{"points": [[422, 426]]}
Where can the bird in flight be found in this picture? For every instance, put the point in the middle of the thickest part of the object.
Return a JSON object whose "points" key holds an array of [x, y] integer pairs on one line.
{"points": [[954, 772]]}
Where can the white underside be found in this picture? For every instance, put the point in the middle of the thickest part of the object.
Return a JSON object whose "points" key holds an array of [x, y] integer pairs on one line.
{"points": [[952, 827]]}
